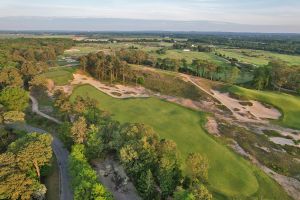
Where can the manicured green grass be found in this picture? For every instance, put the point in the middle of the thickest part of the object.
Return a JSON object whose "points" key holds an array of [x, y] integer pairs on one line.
{"points": [[289, 105], [60, 75], [259, 57], [229, 174]]}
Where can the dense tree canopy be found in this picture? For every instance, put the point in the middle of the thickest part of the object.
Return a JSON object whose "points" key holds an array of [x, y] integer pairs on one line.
{"points": [[84, 179], [14, 99], [21, 164]]}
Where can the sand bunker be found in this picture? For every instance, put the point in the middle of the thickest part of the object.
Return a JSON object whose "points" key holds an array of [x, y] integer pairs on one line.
{"points": [[72, 50], [116, 91], [246, 110]]}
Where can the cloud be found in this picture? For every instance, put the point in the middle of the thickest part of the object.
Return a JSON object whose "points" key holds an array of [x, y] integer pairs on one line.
{"points": [[273, 12]]}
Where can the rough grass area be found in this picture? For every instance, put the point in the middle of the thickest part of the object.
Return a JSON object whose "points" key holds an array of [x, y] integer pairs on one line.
{"points": [[60, 75], [229, 174], [168, 83], [272, 155], [289, 105]]}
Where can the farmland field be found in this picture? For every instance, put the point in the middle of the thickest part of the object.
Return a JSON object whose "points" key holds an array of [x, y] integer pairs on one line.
{"points": [[229, 174], [258, 57], [191, 55]]}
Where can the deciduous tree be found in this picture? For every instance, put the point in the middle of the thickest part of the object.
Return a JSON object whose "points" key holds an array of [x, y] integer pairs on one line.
{"points": [[79, 131]]}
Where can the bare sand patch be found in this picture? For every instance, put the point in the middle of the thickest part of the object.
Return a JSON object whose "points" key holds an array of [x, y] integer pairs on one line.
{"points": [[283, 141], [72, 50], [116, 91], [212, 126], [112, 175], [247, 110]]}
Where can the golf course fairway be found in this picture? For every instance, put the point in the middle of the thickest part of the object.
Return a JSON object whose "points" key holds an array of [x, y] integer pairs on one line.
{"points": [[229, 174]]}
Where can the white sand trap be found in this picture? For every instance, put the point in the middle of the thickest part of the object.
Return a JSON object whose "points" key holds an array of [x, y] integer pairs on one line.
{"points": [[254, 112], [283, 141], [72, 50], [116, 91]]}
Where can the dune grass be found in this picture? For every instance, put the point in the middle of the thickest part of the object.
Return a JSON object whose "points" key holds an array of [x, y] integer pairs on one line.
{"points": [[289, 105], [229, 174]]}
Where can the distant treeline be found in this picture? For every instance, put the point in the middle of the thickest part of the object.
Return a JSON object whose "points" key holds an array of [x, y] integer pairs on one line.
{"points": [[21, 59], [288, 44], [14, 52]]}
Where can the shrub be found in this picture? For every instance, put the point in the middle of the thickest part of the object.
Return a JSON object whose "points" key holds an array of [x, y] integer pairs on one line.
{"points": [[84, 179]]}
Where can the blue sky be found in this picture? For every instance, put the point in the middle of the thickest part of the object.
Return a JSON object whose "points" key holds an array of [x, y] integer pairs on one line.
{"points": [[256, 12]]}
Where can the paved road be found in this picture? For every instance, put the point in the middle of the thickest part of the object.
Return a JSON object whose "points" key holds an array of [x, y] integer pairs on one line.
{"points": [[59, 150], [35, 109], [61, 154]]}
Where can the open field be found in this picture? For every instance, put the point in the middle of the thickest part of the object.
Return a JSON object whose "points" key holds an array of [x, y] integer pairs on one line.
{"points": [[60, 75], [191, 55], [229, 174], [289, 105], [259, 57]]}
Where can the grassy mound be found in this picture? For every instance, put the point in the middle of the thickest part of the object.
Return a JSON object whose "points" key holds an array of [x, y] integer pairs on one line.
{"points": [[229, 174], [289, 105]]}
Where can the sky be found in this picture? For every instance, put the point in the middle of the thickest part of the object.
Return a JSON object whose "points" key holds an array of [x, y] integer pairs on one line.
{"points": [[255, 12]]}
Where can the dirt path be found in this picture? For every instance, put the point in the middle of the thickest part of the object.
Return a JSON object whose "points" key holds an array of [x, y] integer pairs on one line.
{"points": [[247, 111], [35, 109], [105, 170], [60, 152]]}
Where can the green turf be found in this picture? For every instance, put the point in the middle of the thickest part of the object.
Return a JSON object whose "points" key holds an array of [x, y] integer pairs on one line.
{"points": [[60, 75], [288, 104], [228, 174]]}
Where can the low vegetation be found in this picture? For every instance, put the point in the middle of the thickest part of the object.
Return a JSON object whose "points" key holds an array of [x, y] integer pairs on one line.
{"points": [[84, 179]]}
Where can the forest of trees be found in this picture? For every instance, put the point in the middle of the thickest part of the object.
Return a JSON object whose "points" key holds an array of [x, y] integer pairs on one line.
{"points": [[24, 157], [280, 43], [277, 75], [115, 67]]}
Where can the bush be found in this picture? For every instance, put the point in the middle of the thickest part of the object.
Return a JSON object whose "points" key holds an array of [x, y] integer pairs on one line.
{"points": [[140, 80], [84, 179]]}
